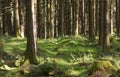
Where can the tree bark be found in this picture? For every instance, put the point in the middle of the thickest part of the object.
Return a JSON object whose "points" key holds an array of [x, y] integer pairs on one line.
{"points": [[106, 31], [21, 17], [31, 49], [60, 17], [91, 21], [16, 19], [101, 21], [118, 17]]}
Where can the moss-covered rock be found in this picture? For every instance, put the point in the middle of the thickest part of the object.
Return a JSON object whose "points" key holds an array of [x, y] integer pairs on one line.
{"points": [[27, 67], [103, 66]]}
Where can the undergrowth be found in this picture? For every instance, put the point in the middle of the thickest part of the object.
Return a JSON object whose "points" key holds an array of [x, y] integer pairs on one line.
{"points": [[66, 56]]}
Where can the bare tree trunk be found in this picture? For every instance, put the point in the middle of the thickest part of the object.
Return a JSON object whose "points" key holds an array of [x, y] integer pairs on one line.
{"points": [[16, 19], [31, 50], [91, 21], [45, 19], [67, 18], [76, 10], [60, 17], [21, 17], [118, 17], [106, 31], [101, 20], [82, 9]]}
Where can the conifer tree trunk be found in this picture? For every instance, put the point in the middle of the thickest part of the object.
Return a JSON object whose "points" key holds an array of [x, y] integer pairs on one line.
{"points": [[4, 17], [16, 19], [21, 17], [76, 10], [60, 17], [82, 16], [45, 18], [55, 19], [40, 25], [31, 48], [67, 18], [91, 21], [118, 17], [1, 46], [101, 21], [106, 31]]}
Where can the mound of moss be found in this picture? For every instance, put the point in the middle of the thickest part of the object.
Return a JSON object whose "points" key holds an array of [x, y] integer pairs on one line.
{"points": [[103, 66]]}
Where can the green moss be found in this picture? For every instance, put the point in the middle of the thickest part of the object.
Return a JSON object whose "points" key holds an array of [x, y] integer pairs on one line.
{"points": [[105, 66], [65, 51]]}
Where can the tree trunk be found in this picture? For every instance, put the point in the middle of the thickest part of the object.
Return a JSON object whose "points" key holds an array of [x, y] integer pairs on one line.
{"points": [[67, 18], [40, 25], [101, 22], [16, 19], [118, 17], [91, 21], [76, 10], [106, 31], [4, 17], [60, 17], [21, 17], [31, 50], [45, 18], [82, 11]]}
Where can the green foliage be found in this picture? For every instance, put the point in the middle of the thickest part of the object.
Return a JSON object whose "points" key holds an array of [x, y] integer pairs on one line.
{"points": [[63, 56], [115, 43], [50, 69], [14, 46]]}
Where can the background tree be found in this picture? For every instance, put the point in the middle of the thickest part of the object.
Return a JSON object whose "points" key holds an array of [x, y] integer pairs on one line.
{"points": [[118, 17], [91, 20], [106, 31], [1, 44], [16, 19], [21, 10], [67, 18], [101, 21], [76, 18], [56, 18], [60, 17]]}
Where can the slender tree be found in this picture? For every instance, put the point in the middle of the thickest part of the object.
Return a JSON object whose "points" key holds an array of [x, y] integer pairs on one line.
{"points": [[118, 17], [91, 20], [16, 19], [82, 16], [101, 21], [21, 17], [4, 17], [60, 17], [40, 25], [67, 18], [106, 31], [76, 17]]}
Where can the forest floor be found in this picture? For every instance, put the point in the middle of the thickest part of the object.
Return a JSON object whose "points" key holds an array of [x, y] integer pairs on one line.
{"points": [[60, 57]]}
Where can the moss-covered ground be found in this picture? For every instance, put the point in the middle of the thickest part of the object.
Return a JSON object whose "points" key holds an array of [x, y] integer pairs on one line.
{"points": [[59, 57]]}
